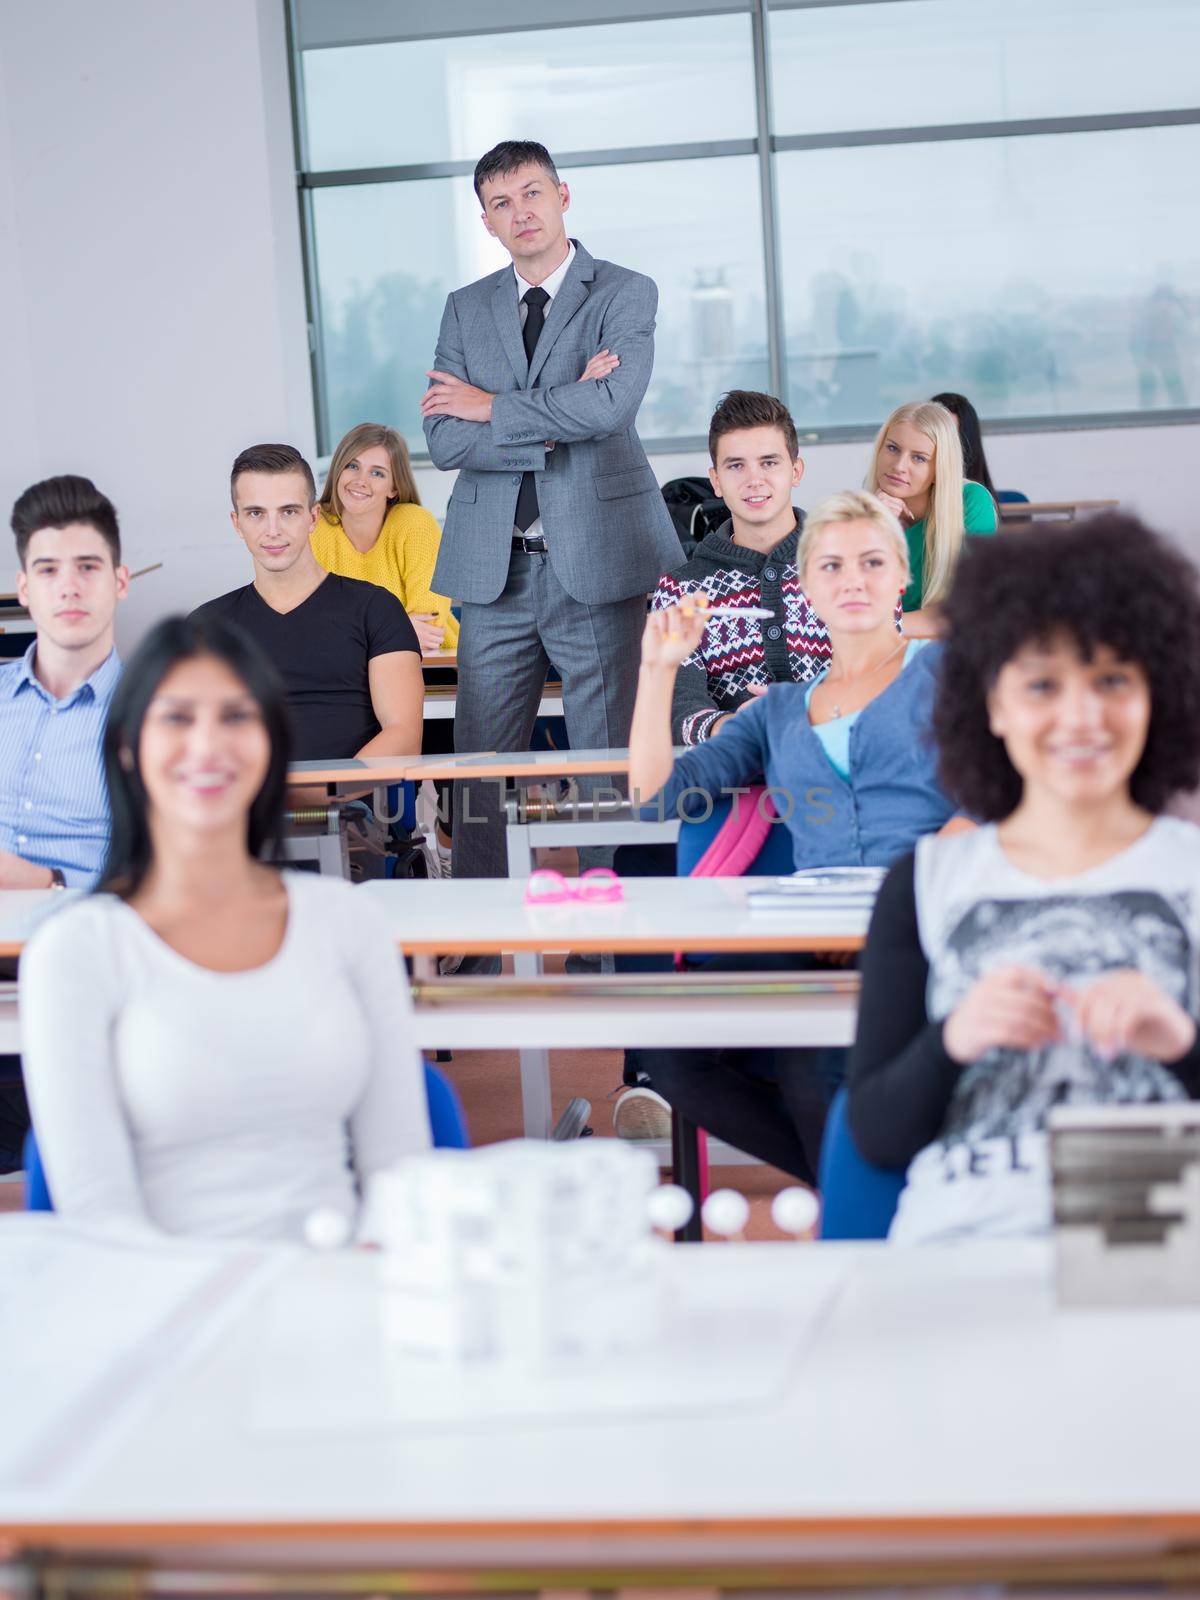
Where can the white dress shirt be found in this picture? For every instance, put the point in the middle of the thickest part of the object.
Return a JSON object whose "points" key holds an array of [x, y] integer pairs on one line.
{"points": [[551, 285]]}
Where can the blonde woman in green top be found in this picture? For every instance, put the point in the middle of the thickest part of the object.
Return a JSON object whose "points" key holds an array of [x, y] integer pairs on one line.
{"points": [[917, 471]]}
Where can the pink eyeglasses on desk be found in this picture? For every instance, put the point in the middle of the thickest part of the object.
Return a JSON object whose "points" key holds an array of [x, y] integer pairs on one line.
{"points": [[596, 886]]}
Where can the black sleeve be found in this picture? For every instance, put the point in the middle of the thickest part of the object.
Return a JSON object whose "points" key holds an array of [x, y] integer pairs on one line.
{"points": [[901, 1078], [388, 627], [1187, 1068]]}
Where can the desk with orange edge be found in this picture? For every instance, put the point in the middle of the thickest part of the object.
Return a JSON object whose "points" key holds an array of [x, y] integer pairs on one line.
{"points": [[941, 1427], [1051, 510], [531, 824], [534, 1013]]}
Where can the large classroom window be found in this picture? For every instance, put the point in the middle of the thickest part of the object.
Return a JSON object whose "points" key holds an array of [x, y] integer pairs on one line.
{"points": [[849, 202]]}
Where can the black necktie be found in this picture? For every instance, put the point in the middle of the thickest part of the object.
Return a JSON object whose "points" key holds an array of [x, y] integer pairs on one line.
{"points": [[535, 301]]}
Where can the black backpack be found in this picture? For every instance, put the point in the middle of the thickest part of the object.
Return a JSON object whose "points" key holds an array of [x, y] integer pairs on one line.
{"points": [[695, 510]]}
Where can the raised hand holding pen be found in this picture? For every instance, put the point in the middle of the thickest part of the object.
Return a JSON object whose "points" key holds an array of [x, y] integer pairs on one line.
{"points": [[671, 635]]}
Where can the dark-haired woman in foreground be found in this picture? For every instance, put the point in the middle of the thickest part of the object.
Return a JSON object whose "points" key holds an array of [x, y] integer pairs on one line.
{"points": [[211, 1046], [1050, 956]]}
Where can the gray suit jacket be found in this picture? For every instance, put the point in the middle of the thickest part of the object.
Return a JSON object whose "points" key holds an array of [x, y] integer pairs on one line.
{"points": [[608, 530]]}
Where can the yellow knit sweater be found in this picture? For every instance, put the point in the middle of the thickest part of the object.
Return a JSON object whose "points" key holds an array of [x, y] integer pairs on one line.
{"points": [[401, 560]]}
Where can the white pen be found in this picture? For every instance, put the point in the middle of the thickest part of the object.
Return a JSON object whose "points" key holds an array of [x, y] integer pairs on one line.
{"points": [[753, 613]]}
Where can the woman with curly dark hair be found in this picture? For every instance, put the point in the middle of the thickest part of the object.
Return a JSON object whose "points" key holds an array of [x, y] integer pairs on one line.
{"points": [[1050, 955]]}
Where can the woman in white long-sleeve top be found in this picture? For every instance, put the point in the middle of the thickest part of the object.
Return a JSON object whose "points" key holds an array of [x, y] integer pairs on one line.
{"points": [[212, 1046]]}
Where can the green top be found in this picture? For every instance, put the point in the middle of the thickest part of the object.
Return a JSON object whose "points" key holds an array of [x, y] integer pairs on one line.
{"points": [[979, 516]]}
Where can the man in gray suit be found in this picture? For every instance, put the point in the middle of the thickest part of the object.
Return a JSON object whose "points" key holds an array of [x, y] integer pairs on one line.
{"points": [[556, 529]]}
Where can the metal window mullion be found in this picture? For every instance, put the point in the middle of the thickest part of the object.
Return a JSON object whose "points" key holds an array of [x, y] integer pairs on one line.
{"points": [[308, 235], [768, 202], [695, 150], [501, 25], [1014, 128]]}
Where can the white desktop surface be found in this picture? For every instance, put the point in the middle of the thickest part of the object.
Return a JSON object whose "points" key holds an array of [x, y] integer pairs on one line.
{"points": [[21, 910], [489, 913], [931, 1384], [656, 914]]}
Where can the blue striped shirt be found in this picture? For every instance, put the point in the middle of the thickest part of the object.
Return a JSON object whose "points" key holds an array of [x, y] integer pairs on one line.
{"points": [[53, 798]]}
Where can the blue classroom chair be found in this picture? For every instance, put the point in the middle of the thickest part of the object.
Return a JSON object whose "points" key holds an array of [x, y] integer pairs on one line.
{"points": [[446, 1121], [774, 860], [858, 1199]]}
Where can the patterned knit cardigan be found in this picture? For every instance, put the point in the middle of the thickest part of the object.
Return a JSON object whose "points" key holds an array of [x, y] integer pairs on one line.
{"points": [[792, 647]]}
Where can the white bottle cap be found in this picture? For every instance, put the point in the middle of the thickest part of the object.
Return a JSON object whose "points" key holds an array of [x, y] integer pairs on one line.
{"points": [[725, 1212], [669, 1207], [795, 1211], [326, 1229]]}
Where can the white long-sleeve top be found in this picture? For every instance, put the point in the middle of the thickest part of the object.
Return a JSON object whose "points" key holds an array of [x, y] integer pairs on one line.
{"points": [[215, 1103]]}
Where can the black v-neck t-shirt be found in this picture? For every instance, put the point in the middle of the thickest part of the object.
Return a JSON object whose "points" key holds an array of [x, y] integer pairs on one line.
{"points": [[321, 650]]}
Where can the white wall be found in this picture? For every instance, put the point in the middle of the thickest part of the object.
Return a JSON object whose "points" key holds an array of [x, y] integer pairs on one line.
{"points": [[151, 292], [150, 249]]}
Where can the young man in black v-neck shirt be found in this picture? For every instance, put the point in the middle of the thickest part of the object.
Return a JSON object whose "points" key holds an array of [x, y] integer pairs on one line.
{"points": [[346, 651]]}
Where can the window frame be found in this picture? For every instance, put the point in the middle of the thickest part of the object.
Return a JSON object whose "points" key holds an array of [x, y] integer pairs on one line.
{"points": [[764, 146]]}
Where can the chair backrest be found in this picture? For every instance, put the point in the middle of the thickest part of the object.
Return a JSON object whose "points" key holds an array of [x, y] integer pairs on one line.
{"points": [[858, 1200], [1011, 497], [755, 843], [446, 1121]]}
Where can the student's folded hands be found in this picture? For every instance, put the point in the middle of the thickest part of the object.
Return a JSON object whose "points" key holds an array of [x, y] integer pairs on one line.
{"points": [[1009, 1008], [1127, 1011], [1021, 1008]]}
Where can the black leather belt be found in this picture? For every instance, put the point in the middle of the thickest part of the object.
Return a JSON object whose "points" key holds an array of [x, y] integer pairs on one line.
{"points": [[532, 547]]}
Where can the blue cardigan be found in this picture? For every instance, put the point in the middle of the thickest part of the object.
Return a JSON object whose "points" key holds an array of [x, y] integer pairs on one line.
{"points": [[892, 796]]}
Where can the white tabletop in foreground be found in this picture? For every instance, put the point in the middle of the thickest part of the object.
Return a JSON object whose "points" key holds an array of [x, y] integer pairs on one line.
{"points": [[931, 1384], [657, 914]]}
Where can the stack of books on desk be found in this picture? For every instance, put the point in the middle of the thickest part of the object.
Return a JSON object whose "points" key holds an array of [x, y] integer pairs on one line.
{"points": [[827, 889]]}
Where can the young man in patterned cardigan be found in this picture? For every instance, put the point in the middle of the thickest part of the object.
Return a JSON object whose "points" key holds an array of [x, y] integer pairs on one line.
{"points": [[749, 561]]}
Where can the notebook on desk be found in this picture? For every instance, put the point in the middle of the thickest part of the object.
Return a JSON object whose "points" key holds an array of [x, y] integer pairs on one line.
{"points": [[830, 888]]}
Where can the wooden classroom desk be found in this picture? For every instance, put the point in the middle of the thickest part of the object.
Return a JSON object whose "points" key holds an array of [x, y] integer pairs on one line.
{"points": [[488, 916], [533, 1014], [1051, 510], [527, 829], [657, 916], [526, 764], [363, 772], [829, 1418], [441, 702]]}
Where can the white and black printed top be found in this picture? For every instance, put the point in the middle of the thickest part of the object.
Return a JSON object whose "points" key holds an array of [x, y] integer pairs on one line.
{"points": [[973, 1138]]}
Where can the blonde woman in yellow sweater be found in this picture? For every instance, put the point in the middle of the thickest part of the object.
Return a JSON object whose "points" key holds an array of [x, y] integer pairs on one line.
{"points": [[371, 525]]}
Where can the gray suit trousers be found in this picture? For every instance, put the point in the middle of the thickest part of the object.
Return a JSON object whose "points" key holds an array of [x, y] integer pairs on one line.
{"points": [[504, 649]]}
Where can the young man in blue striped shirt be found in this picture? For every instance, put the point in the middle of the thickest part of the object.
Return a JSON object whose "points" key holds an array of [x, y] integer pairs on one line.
{"points": [[54, 819], [54, 816]]}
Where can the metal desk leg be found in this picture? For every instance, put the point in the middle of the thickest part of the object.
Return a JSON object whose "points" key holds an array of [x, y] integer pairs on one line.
{"points": [[685, 1160], [535, 1064], [520, 851]]}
